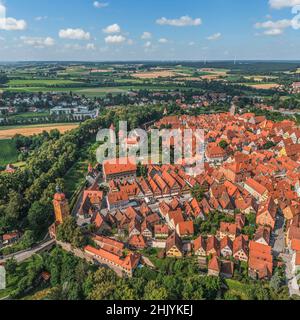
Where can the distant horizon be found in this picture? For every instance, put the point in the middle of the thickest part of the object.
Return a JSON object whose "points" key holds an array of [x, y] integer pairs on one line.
{"points": [[154, 60]]}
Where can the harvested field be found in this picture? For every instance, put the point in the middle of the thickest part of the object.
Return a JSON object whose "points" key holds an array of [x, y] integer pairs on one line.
{"points": [[266, 86], [154, 74], [8, 133]]}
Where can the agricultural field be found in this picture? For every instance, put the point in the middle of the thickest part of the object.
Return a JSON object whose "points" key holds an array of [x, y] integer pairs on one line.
{"points": [[29, 115], [40, 83], [8, 152], [155, 74], [10, 132], [265, 86]]}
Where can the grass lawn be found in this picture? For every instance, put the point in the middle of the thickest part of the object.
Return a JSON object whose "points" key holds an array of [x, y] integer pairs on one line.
{"points": [[27, 115], [237, 288], [75, 177], [8, 152], [12, 280]]}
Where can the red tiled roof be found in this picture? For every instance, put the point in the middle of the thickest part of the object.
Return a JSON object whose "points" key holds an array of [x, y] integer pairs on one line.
{"points": [[230, 228], [260, 189], [199, 243], [214, 264], [261, 259], [186, 228], [116, 197], [110, 169]]}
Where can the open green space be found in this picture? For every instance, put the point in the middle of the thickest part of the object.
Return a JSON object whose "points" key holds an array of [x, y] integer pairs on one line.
{"points": [[27, 115], [40, 82], [8, 152], [37, 125], [237, 288], [75, 177]]}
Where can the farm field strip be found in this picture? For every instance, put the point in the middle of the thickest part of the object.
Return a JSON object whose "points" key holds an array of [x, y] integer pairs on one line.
{"points": [[10, 132]]}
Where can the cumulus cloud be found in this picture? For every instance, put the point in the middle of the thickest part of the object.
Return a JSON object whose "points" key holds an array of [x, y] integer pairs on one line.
{"points": [[38, 42], [100, 5], [146, 35], [114, 28], [279, 4], [163, 40], [274, 28], [214, 36], [8, 23], [183, 21], [74, 34], [90, 46], [116, 39]]}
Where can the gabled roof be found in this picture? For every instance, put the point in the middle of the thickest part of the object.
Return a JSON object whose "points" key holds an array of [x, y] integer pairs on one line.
{"points": [[214, 264], [260, 189], [174, 240], [120, 165], [116, 197], [185, 228], [260, 259], [240, 243], [226, 242], [230, 228], [199, 243]]}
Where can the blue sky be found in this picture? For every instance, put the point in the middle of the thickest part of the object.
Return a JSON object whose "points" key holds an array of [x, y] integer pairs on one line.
{"points": [[149, 29]]}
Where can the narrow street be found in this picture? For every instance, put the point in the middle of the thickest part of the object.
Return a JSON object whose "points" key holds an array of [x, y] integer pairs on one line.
{"points": [[291, 277], [278, 237]]}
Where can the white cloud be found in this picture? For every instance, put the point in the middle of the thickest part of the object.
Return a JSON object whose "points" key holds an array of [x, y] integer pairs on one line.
{"points": [[184, 21], [115, 39], [192, 43], [163, 40], [100, 5], [274, 28], [279, 4], [114, 28], [90, 46], [74, 34], [8, 23], [38, 42], [214, 36], [146, 35]]}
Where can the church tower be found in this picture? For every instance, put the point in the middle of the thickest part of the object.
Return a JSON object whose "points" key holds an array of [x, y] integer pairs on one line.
{"points": [[61, 206]]}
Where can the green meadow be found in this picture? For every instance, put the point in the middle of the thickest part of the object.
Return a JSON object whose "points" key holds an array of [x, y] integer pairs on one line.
{"points": [[8, 152]]}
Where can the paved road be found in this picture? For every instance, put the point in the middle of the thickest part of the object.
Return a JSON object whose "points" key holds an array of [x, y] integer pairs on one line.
{"points": [[24, 255], [278, 238], [291, 277]]}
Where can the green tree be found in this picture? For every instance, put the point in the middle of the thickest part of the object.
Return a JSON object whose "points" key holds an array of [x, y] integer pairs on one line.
{"points": [[154, 291], [223, 144], [198, 192]]}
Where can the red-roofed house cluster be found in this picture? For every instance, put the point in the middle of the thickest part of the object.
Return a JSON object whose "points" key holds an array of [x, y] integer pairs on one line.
{"points": [[256, 173]]}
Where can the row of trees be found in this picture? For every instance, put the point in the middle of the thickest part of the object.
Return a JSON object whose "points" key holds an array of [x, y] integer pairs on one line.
{"points": [[74, 279]]}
